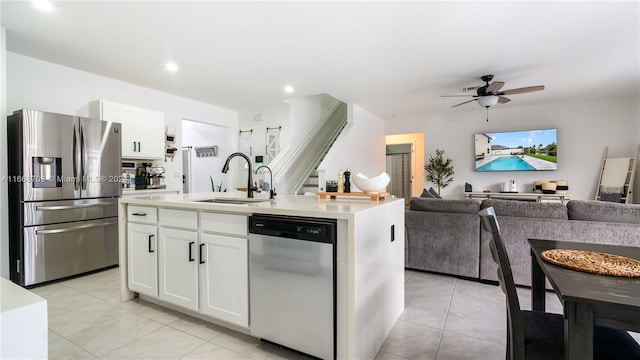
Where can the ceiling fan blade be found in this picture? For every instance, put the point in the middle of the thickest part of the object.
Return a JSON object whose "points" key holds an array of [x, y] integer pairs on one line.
{"points": [[465, 102], [495, 86], [503, 100], [456, 95], [522, 90]]}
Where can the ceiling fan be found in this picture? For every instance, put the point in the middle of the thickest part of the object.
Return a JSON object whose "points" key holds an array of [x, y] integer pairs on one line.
{"points": [[490, 94]]}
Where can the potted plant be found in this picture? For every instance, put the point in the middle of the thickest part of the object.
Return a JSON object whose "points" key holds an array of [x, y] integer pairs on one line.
{"points": [[218, 187], [439, 170]]}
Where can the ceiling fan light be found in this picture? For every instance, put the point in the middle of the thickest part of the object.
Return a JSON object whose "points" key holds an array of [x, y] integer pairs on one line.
{"points": [[487, 101]]}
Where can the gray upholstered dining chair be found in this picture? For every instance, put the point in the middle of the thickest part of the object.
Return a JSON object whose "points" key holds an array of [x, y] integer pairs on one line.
{"points": [[537, 334]]}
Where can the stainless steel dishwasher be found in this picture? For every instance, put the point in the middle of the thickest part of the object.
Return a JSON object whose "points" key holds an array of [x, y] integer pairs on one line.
{"points": [[292, 282]]}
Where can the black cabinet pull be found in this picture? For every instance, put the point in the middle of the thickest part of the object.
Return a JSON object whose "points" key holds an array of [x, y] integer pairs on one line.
{"points": [[150, 240], [191, 251], [139, 214], [200, 254], [139, 146], [134, 146]]}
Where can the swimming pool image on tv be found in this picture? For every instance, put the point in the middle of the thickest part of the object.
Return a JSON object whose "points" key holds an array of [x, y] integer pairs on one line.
{"points": [[506, 163], [520, 150]]}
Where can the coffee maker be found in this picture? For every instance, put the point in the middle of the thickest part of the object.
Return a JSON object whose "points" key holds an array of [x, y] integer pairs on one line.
{"points": [[149, 177]]}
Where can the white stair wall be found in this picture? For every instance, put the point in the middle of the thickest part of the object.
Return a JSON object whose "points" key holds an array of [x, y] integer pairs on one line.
{"points": [[360, 148], [292, 173]]}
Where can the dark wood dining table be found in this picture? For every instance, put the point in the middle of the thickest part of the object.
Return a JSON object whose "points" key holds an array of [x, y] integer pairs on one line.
{"points": [[587, 299]]}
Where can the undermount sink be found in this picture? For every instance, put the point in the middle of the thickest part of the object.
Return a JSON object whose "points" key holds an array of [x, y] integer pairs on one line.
{"points": [[234, 200]]}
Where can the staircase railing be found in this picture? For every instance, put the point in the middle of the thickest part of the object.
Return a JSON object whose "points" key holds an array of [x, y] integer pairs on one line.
{"points": [[305, 158]]}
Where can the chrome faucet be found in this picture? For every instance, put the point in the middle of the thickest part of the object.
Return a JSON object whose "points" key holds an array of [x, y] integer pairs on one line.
{"points": [[225, 168], [272, 190]]}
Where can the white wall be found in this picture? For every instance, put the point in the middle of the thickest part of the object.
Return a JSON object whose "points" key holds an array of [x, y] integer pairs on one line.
{"points": [[360, 148], [279, 115], [302, 114], [636, 115], [297, 116], [272, 117], [584, 129], [197, 134], [306, 112], [36, 84], [4, 214]]}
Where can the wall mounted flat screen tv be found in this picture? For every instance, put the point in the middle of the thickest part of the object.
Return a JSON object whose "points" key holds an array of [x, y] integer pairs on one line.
{"points": [[526, 150]]}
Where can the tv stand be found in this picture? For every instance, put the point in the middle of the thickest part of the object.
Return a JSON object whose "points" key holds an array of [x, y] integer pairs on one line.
{"points": [[521, 196]]}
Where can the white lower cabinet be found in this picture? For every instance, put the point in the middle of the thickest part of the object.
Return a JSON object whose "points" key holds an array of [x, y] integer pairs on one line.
{"points": [[224, 278], [200, 264], [178, 265], [142, 247]]}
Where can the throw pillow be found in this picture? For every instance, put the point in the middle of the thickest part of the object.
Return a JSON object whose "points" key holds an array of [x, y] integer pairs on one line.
{"points": [[434, 193], [426, 194]]}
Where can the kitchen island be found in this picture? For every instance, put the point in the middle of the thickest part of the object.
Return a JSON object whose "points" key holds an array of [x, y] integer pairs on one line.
{"points": [[369, 259]]}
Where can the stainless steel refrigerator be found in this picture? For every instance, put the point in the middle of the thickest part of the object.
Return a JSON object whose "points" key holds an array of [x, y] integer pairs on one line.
{"points": [[63, 195]]}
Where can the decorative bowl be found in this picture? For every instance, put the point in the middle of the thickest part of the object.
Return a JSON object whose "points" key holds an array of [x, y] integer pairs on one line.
{"points": [[372, 185]]}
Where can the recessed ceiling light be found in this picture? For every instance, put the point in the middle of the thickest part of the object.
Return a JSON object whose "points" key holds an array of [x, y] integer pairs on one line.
{"points": [[288, 89], [43, 5], [171, 66]]}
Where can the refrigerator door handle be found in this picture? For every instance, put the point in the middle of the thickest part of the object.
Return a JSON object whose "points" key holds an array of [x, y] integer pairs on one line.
{"points": [[83, 154], [75, 159], [75, 228], [70, 207]]}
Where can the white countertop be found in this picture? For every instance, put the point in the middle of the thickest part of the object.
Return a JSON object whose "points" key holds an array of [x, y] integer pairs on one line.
{"points": [[143, 191], [13, 296], [293, 205], [23, 323]]}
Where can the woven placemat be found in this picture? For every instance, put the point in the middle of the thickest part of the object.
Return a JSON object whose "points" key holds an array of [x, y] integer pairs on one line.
{"points": [[593, 262]]}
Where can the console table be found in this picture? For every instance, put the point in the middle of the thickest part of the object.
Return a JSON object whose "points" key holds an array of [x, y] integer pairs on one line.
{"points": [[537, 197]]}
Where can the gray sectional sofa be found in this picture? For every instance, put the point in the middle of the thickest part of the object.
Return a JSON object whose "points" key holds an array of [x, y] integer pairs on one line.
{"points": [[445, 236]]}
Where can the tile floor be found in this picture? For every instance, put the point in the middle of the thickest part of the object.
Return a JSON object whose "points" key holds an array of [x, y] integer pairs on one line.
{"points": [[444, 318]]}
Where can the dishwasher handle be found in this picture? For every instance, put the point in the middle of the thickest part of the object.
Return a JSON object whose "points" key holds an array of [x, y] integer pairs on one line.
{"points": [[280, 234], [287, 235]]}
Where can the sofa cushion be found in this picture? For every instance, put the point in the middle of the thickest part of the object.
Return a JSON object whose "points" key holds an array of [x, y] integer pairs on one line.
{"points": [[434, 193], [593, 210], [443, 242], [528, 209], [444, 205]]}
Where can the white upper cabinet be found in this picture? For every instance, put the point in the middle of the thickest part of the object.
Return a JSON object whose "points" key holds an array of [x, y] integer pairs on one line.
{"points": [[142, 129]]}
